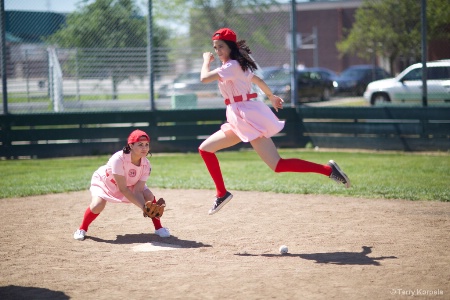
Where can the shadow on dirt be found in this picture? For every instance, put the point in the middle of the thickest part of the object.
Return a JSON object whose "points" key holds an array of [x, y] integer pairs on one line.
{"points": [[336, 258], [22, 292], [140, 238]]}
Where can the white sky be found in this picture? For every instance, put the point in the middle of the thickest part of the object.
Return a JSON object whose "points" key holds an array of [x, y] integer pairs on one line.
{"points": [[64, 6], [42, 5]]}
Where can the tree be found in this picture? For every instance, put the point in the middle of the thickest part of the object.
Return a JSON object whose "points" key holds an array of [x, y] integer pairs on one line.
{"points": [[206, 16], [110, 24], [392, 28]]}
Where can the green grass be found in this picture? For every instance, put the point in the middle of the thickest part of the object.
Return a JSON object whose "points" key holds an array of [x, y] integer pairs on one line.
{"points": [[373, 175]]}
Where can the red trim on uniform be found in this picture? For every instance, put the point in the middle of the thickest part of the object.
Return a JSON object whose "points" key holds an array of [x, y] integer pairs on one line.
{"points": [[240, 98]]}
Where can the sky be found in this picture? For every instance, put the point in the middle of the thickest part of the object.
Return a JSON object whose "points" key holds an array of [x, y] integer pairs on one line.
{"points": [[62, 6]]}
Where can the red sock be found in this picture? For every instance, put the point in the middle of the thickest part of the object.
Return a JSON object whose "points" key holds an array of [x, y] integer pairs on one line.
{"points": [[88, 218], [212, 163], [301, 166], [156, 221]]}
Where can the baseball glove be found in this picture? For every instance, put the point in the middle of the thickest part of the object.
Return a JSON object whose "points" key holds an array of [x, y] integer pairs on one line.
{"points": [[154, 209]]}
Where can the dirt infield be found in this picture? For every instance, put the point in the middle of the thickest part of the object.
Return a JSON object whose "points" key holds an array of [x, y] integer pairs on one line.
{"points": [[339, 248]]}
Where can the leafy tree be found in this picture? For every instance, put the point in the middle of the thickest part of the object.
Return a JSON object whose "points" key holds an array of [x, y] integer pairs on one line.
{"points": [[110, 24], [206, 16], [392, 28]]}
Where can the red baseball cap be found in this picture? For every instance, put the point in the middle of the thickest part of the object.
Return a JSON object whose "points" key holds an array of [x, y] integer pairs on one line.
{"points": [[225, 34], [136, 135]]}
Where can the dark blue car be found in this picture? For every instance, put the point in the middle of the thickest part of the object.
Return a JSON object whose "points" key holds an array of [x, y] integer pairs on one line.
{"points": [[354, 80], [310, 85]]}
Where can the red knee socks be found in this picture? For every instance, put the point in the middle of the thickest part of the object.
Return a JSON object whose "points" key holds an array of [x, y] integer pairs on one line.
{"points": [[212, 164], [88, 218], [298, 165], [156, 221]]}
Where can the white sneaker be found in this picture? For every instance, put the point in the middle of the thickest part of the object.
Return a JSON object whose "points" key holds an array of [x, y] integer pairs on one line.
{"points": [[79, 234], [163, 232]]}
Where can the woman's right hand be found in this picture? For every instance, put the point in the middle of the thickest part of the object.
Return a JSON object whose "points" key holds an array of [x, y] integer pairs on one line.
{"points": [[208, 57]]}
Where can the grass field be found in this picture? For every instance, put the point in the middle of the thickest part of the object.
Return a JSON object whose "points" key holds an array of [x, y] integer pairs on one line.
{"points": [[373, 175]]}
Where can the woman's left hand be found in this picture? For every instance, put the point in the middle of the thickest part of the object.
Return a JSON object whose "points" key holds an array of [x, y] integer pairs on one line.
{"points": [[277, 102]]}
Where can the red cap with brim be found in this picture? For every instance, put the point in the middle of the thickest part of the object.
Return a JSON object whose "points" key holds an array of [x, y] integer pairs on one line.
{"points": [[136, 135], [225, 34]]}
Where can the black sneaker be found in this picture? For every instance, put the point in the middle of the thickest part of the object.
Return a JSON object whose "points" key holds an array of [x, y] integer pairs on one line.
{"points": [[337, 174], [220, 202]]}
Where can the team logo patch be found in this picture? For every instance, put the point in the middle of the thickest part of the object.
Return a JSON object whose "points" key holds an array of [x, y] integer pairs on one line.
{"points": [[132, 173]]}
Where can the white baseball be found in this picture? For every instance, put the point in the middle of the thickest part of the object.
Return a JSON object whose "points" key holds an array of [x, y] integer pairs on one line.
{"points": [[283, 249]]}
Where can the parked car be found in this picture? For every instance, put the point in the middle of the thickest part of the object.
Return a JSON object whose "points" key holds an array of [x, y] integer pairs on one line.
{"points": [[407, 86], [310, 85], [325, 73], [355, 79], [267, 72], [188, 83]]}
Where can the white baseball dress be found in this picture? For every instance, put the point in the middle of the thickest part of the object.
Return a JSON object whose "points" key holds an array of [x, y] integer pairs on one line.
{"points": [[103, 184], [248, 119]]}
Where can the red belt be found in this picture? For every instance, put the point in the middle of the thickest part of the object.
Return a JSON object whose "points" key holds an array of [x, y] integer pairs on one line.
{"points": [[112, 179], [240, 98]]}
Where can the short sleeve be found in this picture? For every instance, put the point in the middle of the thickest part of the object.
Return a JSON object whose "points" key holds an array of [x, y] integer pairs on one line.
{"points": [[117, 165], [228, 70], [146, 170]]}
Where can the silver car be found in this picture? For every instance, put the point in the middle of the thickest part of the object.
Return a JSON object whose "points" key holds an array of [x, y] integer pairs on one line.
{"points": [[407, 86]]}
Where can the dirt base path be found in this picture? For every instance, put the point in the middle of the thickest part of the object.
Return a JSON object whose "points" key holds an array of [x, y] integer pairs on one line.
{"points": [[339, 248]]}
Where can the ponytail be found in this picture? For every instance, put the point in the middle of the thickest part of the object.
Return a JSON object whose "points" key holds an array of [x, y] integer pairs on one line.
{"points": [[241, 52]]}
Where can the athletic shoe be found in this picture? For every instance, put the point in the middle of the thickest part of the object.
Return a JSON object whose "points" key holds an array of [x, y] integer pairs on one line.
{"points": [[337, 174], [79, 235], [163, 232], [220, 202]]}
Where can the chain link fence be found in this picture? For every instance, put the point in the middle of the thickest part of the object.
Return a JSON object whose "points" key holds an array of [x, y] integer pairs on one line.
{"points": [[95, 56]]}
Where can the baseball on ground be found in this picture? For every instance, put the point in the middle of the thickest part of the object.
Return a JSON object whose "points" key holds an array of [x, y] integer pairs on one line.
{"points": [[283, 249]]}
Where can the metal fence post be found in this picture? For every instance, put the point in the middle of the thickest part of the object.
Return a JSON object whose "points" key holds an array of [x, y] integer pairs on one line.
{"points": [[149, 56], [3, 56], [293, 53], [424, 52], [77, 75]]}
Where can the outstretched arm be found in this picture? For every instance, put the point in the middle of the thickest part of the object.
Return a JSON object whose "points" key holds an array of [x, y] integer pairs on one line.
{"points": [[277, 102]]}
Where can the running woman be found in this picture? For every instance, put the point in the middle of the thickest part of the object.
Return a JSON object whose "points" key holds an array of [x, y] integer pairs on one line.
{"points": [[247, 120], [122, 180]]}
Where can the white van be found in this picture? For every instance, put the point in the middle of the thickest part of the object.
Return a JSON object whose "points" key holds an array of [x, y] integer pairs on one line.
{"points": [[406, 88]]}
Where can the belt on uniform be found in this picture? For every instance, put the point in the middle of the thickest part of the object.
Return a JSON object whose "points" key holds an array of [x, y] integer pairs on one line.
{"points": [[240, 98]]}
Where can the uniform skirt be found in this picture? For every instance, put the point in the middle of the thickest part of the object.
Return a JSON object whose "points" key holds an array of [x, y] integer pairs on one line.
{"points": [[250, 120], [106, 189]]}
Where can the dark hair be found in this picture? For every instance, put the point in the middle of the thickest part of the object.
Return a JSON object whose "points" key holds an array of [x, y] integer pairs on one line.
{"points": [[240, 52], [127, 149]]}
